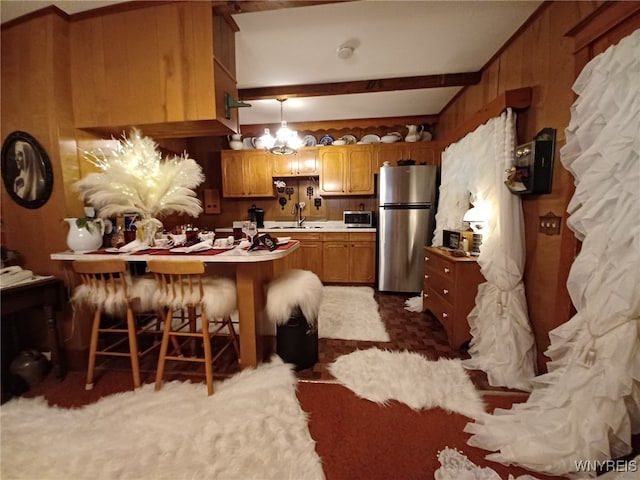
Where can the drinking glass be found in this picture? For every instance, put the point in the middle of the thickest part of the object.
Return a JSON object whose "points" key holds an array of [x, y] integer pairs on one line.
{"points": [[250, 229]]}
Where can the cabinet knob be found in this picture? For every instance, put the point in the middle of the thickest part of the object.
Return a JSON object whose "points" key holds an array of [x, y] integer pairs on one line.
{"points": [[426, 276], [426, 295], [444, 315], [445, 291], [446, 270], [426, 259]]}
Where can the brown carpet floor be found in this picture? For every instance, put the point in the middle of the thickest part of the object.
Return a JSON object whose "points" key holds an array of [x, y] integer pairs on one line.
{"points": [[356, 439]]}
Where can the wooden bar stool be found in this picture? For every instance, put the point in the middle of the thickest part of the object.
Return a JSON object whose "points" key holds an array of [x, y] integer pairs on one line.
{"points": [[115, 296], [196, 307]]}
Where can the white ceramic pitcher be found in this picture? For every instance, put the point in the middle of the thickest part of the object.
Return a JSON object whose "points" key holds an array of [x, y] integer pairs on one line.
{"points": [[235, 141], [414, 134], [81, 239]]}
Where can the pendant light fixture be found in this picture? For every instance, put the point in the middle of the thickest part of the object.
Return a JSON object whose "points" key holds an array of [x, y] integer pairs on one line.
{"points": [[286, 141]]}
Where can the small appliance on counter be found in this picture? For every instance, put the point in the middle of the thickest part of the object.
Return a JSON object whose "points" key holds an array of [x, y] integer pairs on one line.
{"points": [[256, 215], [358, 219]]}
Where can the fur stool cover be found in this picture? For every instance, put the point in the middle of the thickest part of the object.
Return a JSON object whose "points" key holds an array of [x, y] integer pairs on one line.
{"points": [[219, 299], [291, 289], [114, 301]]}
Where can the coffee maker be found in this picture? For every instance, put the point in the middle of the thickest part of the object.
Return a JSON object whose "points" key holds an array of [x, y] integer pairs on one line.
{"points": [[256, 215]]}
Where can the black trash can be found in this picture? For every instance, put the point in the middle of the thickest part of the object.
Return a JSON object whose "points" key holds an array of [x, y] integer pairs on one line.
{"points": [[297, 341]]}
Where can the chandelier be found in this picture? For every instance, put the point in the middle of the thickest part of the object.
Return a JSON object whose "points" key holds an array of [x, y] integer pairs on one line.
{"points": [[286, 141]]}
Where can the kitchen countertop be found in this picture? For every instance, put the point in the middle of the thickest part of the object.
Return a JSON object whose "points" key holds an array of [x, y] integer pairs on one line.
{"points": [[328, 226]]}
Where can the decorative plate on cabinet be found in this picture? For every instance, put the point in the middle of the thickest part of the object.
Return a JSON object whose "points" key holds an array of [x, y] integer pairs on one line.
{"points": [[371, 138], [326, 140], [247, 143], [309, 141], [349, 139]]}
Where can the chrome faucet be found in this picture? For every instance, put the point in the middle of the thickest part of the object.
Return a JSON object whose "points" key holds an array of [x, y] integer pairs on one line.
{"points": [[299, 207]]}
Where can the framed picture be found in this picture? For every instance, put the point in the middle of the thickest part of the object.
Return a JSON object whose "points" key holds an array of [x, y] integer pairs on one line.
{"points": [[26, 170]]}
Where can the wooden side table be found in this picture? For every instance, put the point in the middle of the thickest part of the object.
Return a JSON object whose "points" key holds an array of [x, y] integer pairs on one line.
{"points": [[46, 293], [450, 286]]}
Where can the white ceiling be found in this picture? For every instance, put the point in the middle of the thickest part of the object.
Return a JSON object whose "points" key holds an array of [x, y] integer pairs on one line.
{"points": [[298, 46]]}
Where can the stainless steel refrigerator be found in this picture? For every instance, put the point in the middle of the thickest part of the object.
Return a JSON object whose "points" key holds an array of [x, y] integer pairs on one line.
{"points": [[406, 217]]}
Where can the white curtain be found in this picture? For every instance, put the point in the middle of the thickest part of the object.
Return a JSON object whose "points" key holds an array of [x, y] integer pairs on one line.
{"points": [[502, 342], [588, 405]]}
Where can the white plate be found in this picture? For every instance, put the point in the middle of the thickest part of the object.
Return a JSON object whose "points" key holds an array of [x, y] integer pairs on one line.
{"points": [[350, 139], [283, 240], [371, 138], [247, 143], [309, 141]]}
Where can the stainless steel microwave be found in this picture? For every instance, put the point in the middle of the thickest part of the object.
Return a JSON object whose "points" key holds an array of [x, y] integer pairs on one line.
{"points": [[358, 219]]}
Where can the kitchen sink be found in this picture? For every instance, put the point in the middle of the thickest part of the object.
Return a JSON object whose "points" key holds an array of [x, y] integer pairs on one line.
{"points": [[293, 228]]}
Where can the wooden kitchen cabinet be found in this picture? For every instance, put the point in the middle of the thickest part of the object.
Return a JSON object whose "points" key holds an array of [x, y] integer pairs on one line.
{"points": [[246, 174], [304, 163], [346, 170], [422, 152], [349, 257], [153, 67], [307, 257], [449, 291]]}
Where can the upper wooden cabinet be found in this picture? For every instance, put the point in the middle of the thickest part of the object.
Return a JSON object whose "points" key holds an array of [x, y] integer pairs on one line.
{"points": [[346, 170], [421, 152], [154, 67], [247, 174], [303, 163]]}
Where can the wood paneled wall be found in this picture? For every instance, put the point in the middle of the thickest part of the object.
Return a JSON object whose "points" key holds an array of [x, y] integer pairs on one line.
{"points": [[539, 56]]}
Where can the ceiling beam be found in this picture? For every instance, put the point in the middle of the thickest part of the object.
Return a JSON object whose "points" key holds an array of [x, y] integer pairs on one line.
{"points": [[361, 86], [233, 7]]}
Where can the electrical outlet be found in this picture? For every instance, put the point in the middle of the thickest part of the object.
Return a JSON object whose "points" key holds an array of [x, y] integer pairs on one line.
{"points": [[549, 224]]}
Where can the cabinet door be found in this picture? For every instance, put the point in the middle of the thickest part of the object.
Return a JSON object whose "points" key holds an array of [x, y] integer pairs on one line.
{"points": [[257, 174], [284, 165], [143, 66], [307, 161], [359, 170], [362, 261], [332, 170], [335, 261], [424, 152], [388, 152], [232, 174]]}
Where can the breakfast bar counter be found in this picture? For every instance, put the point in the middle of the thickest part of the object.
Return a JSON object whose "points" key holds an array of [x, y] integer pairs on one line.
{"points": [[253, 271]]}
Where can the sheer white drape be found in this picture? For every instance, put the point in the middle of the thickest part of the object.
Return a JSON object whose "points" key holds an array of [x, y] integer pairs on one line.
{"points": [[502, 343], [588, 405]]}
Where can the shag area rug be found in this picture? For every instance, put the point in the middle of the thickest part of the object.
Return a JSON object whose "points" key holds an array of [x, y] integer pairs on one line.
{"points": [[251, 428], [382, 375], [350, 313]]}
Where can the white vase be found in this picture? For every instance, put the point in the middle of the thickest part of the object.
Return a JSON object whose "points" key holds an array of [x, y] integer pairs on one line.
{"points": [[80, 239]]}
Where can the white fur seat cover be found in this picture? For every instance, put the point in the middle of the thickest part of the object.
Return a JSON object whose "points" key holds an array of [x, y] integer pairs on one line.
{"points": [[291, 289], [114, 300], [219, 299]]}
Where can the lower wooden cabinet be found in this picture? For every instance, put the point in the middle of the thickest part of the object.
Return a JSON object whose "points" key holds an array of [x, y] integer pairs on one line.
{"points": [[349, 257], [449, 291], [307, 257], [336, 257]]}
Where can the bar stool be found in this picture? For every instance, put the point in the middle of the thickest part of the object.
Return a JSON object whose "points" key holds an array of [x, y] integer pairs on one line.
{"points": [[113, 295], [195, 307]]}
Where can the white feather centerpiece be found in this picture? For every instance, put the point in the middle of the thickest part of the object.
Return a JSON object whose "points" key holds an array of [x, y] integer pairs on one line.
{"points": [[134, 178]]}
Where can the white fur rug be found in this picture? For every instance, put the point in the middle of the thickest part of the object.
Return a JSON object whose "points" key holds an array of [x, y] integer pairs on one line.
{"points": [[251, 428], [350, 313], [382, 375]]}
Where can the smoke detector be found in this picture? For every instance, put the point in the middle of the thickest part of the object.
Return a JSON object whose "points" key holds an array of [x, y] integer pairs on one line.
{"points": [[345, 51]]}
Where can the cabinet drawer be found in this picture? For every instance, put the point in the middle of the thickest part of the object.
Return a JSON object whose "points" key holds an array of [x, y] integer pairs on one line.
{"points": [[444, 286], [335, 237], [439, 265], [440, 309]]}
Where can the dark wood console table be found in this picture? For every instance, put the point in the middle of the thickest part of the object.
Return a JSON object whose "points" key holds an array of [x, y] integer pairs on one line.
{"points": [[47, 294]]}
